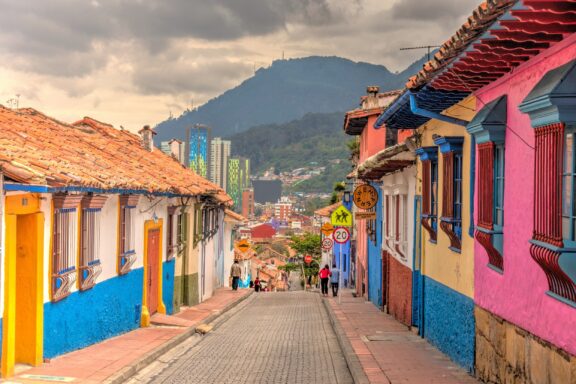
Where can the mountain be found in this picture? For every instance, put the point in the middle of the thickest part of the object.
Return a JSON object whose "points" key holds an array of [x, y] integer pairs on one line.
{"points": [[285, 91], [315, 140]]}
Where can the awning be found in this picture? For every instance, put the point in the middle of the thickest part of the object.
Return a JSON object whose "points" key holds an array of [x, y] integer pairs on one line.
{"points": [[387, 161], [489, 124], [553, 99]]}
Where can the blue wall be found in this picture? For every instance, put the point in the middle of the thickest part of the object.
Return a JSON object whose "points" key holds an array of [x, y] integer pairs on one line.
{"points": [[110, 308], [375, 258], [449, 322], [168, 285]]}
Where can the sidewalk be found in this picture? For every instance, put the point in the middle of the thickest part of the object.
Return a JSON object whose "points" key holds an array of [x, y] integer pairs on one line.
{"points": [[101, 362], [387, 351]]}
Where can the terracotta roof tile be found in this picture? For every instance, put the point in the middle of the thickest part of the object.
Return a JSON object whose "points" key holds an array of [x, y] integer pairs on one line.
{"points": [[327, 211], [37, 149]]}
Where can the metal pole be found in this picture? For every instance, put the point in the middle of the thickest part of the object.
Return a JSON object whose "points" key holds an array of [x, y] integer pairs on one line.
{"points": [[340, 277]]}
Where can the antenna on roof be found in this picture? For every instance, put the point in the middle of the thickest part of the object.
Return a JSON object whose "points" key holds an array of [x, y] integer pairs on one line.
{"points": [[14, 102], [428, 47]]}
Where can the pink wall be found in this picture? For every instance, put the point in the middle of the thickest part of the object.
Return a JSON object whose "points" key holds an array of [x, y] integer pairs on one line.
{"points": [[372, 140], [519, 295]]}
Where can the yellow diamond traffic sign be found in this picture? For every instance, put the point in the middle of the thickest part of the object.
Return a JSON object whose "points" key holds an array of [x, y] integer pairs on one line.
{"points": [[341, 217]]}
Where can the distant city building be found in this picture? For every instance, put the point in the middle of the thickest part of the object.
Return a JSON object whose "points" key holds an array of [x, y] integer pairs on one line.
{"points": [[248, 203], [198, 149], [283, 209], [219, 156], [267, 191], [174, 148], [238, 179]]}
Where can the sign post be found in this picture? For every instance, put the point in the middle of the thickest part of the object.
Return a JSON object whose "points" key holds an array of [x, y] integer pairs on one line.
{"points": [[341, 235]]}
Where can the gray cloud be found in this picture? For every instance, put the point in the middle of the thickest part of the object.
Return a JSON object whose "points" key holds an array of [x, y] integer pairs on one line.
{"points": [[432, 11]]}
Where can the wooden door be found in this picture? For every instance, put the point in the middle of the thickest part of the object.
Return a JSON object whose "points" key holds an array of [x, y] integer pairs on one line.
{"points": [[153, 269]]}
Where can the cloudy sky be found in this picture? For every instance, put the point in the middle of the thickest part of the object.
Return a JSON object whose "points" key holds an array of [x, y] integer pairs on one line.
{"points": [[133, 62]]}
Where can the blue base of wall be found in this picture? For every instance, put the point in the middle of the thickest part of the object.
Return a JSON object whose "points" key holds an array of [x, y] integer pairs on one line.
{"points": [[449, 322], [110, 308], [416, 300], [168, 285]]}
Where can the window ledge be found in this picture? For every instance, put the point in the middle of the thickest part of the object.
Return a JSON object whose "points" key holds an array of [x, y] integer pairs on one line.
{"points": [[489, 231], [495, 269], [454, 249], [553, 247], [561, 299]]}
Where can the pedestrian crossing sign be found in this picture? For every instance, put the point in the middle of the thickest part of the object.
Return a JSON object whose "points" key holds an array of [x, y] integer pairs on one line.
{"points": [[341, 217]]}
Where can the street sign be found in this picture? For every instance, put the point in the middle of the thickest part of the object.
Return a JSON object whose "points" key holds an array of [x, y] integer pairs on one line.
{"points": [[327, 244], [243, 245], [307, 259], [341, 217], [365, 215], [327, 229], [341, 235], [365, 196]]}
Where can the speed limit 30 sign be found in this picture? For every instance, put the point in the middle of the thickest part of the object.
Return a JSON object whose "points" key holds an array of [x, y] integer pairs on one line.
{"points": [[341, 235]]}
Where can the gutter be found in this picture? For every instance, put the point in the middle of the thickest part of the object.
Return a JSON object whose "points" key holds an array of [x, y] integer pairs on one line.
{"points": [[11, 187], [415, 109]]}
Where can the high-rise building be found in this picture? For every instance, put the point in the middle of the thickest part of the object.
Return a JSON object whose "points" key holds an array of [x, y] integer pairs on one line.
{"points": [[238, 179], [248, 203], [283, 209], [219, 155], [198, 149]]}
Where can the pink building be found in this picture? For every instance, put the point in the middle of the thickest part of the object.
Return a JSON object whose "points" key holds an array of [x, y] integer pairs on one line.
{"points": [[525, 259]]}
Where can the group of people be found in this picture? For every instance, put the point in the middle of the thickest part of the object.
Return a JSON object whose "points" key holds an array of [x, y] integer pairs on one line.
{"points": [[333, 275], [326, 274], [236, 273]]}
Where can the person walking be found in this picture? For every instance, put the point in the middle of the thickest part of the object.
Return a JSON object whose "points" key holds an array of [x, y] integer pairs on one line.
{"points": [[335, 279], [324, 276], [257, 285], [235, 273]]}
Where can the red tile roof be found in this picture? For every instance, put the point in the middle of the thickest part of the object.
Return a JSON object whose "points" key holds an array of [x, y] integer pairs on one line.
{"points": [[235, 216], [37, 149], [327, 211], [496, 38]]}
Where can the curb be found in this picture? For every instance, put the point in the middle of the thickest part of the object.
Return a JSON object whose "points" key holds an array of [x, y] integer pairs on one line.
{"points": [[130, 370], [354, 365]]}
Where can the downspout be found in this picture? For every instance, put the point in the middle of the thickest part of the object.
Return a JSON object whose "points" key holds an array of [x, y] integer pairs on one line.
{"points": [[472, 183]]}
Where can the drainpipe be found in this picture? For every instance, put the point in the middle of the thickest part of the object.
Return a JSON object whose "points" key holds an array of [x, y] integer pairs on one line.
{"points": [[472, 183]]}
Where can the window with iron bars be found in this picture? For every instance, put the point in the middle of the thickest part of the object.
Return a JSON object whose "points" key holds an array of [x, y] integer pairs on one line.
{"points": [[90, 267], [64, 245], [127, 255]]}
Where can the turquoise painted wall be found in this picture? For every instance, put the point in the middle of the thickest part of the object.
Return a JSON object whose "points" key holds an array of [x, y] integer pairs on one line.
{"points": [[374, 257], [110, 308], [449, 322], [168, 285]]}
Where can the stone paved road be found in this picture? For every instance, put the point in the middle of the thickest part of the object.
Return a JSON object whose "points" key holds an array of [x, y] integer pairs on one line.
{"points": [[276, 337]]}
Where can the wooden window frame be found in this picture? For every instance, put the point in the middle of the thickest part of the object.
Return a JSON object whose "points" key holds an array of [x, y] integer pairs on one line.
{"points": [[64, 237], [127, 257], [429, 215], [452, 196], [90, 266]]}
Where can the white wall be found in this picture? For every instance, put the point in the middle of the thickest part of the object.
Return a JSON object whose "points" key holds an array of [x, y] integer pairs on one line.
{"points": [[401, 184]]}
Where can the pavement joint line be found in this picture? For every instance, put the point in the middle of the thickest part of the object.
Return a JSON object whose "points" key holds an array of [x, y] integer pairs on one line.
{"points": [[130, 370], [354, 365]]}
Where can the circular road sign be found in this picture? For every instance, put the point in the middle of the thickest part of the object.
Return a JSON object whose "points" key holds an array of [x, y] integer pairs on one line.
{"points": [[341, 235], [365, 196], [307, 259], [327, 243]]}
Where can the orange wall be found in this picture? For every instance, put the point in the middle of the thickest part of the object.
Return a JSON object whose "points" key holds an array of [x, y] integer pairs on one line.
{"points": [[372, 140]]}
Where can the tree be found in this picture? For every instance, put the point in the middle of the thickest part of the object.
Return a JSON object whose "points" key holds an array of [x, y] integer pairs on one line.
{"points": [[307, 244]]}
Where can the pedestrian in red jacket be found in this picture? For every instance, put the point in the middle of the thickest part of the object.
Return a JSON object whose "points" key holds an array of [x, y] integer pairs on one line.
{"points": [[324, 277]]}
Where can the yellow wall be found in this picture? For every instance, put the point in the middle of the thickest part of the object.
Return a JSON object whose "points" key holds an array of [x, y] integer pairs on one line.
{"points": [[22, 328], [145, 317], [453, 269]]}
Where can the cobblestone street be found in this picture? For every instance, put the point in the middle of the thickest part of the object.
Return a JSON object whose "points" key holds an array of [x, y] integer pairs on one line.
{"points": [[269, 338]]}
